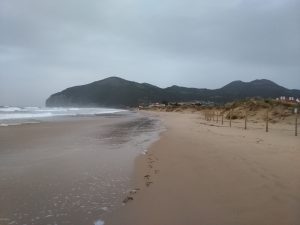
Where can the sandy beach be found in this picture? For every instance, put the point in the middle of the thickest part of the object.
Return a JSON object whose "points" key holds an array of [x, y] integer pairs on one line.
{"points": [[202, 173]]}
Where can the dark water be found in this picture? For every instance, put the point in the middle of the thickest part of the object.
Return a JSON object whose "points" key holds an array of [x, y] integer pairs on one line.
{"points": [[70, 172]]}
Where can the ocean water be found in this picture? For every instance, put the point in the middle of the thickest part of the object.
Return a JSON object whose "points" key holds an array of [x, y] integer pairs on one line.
{"points": [[20, 115]]}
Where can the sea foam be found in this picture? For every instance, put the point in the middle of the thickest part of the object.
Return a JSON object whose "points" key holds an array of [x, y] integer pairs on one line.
{"points": [[12, 116], [13, 113], [99, 222]]}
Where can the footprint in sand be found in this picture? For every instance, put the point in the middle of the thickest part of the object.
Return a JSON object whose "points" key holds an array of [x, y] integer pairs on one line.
{"points": [[258, 140], [127, 199], [134, 191], [131, 193], [147, 176], [148, 183]]}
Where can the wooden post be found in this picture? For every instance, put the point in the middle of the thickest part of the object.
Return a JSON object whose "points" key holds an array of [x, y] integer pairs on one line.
{"points": [[222, 118], [230, 116], [246, 118], [267, 121], [296, 121], [217, 117], [296, 126]]}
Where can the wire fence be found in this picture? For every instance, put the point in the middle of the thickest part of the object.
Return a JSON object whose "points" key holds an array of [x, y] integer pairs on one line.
{"points": [[226, 119]]}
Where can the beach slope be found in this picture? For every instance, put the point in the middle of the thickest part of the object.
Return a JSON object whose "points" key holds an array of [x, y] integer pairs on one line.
{"points": [[213, 175]]}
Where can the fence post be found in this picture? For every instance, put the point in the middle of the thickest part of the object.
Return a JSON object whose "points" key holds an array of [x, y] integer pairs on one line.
{"points": [[217, 117], [230, 115], [246, 118], [222, 118], [296, 121], [296, 125], [267, 121]]}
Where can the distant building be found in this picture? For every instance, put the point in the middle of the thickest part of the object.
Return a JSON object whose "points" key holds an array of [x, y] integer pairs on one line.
{"points": [[157, 105], [288, 99]]}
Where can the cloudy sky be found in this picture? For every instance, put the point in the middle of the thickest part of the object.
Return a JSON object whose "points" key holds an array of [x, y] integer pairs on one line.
{"points": [[48, 45]]}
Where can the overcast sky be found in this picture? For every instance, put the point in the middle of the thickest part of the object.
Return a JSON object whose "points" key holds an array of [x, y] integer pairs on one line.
{"points": [[49, 45]]}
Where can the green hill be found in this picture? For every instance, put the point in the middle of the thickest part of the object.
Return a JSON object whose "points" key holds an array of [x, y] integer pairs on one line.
{"points": [[117, 92]]}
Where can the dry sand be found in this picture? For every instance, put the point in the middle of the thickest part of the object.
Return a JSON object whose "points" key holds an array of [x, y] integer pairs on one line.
{"points": [[205, 174]]}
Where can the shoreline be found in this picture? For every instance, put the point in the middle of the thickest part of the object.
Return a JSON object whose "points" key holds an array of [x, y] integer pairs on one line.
{"points": [[202, 174], [70, 171]]}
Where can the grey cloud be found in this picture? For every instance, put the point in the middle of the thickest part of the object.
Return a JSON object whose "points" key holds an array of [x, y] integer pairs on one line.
{"points": [[48, 45]]}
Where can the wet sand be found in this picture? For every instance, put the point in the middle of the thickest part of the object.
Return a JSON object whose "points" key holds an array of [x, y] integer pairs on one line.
{"points": [[202, 173], [69, 171]]}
